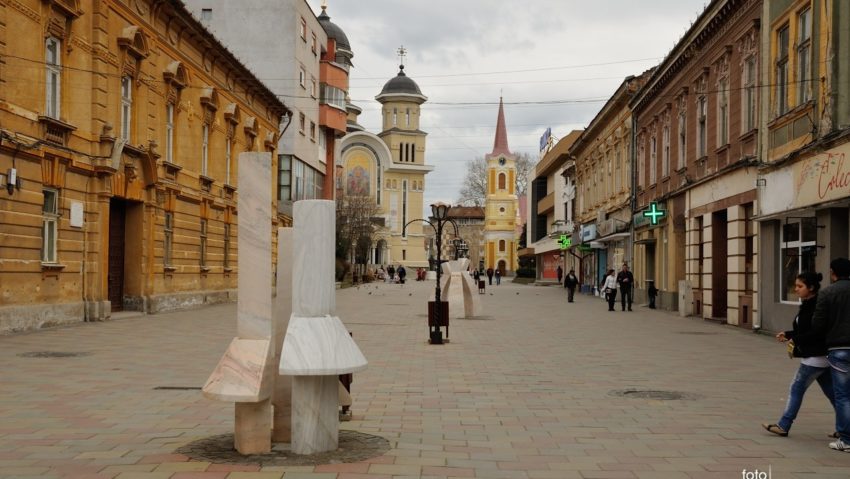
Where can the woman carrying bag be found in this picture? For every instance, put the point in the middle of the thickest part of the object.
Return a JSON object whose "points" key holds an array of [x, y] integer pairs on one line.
{"points": [[805, 344], [610, 289]]}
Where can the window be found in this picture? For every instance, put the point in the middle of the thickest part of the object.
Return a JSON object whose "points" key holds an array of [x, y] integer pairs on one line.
{"points": [[53, 86], [227, 246], [302, 78], [395, 116], [333, 96], [228, 159], [804, 56], [798, 248], [50, 226], [169, 239], [748, 108], [781, 72], [298, 176], [314, 44], [313, 131], [205, 149], [284, 178], [313, 89], [169, 133], [404, 204], [501, 246], [683, 128], [302, 29], [653, 158], [404, 254], [302, 123], [408, 116], [702, 127], [206, 15], [723, 112], [641, 163], [126, 106], [618, 158], [665, 152], [502, 181], [203, 245]]}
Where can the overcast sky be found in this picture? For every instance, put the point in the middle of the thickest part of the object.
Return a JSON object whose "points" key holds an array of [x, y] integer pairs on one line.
{"points": [[555, 62]]}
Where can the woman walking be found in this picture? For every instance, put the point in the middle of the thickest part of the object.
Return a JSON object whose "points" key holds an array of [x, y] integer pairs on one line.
{"points": [[805, 344], [610, 288]]}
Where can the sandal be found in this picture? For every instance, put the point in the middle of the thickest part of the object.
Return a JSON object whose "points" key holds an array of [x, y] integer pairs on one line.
{"points": [[775, 429]]}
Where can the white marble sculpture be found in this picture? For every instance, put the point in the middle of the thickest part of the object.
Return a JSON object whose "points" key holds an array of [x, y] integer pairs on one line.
{"points": [[317, 347], [458, 288], [245, 374], [282, 392]]}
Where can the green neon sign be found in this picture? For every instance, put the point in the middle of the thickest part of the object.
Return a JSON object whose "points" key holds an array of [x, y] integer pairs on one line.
{"points": [[565, 241], [654, 213]]}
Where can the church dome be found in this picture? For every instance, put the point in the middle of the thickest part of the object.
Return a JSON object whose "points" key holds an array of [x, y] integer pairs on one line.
{"points": [[333, 31], [401, 83]]}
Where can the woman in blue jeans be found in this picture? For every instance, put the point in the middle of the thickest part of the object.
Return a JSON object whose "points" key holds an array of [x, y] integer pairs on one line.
{"points": [[809, 346]]}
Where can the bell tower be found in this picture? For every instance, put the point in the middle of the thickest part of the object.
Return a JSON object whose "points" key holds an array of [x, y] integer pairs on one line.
{"points": [[501, 204]]}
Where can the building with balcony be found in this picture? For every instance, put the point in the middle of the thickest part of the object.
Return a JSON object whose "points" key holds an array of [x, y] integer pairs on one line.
{"points": [[120, 126]]}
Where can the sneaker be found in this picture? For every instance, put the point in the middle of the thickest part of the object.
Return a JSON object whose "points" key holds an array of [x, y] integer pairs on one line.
{"points": [[840, 445]]}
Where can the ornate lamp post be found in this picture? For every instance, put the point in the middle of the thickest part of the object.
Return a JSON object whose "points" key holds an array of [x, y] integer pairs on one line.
{"points": [[440, 215]]}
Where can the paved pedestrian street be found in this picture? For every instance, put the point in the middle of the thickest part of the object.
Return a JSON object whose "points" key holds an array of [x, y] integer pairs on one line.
{"points": [[535, 388]]}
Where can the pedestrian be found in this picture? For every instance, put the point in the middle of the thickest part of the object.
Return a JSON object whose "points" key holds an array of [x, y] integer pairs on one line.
{"points": [[652, 292], [610, 288], [498, 275], [476, 276], [625, 280], [401, 273], [490, 276], [832, 320], [810, 347], [560, 274], [571, 282]]}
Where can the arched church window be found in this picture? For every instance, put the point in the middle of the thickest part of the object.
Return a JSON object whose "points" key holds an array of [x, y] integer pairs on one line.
{"points": [[501, 181]]}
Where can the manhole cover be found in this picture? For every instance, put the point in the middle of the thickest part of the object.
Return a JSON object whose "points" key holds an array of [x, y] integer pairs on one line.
{"points": [[52, 354], [353, 447], [697, 333], [651, 394]]}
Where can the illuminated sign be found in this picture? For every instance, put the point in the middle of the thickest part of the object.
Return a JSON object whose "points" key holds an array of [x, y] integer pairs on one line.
{"points": [[654, 213], [565, 241]]}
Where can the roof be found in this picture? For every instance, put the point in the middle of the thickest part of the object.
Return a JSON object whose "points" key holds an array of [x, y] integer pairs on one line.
{"points": [[333, 30], [466, 212], [401, 84], [500, 143]]}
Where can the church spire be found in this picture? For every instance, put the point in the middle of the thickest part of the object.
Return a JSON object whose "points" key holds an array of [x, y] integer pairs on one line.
{"points": [[500, 145]]}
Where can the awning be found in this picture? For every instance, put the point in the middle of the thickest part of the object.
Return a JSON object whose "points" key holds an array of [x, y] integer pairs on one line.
{"points": [[645, 241], [614, 237]]}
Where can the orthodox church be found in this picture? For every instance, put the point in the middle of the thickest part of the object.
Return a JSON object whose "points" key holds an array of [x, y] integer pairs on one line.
{"points": [[501, 206], [390, 167]]}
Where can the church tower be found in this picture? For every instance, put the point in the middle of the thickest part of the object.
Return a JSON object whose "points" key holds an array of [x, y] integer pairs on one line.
{"points": [[501, 204]]}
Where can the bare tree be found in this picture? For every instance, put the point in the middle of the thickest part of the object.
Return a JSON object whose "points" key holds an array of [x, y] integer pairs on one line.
{"points": [[357, 224], [474, 189]]}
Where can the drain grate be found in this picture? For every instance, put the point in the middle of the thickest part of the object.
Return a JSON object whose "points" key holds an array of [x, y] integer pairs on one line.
{"points": [[655, 394], [177, 388], [53, 354]]}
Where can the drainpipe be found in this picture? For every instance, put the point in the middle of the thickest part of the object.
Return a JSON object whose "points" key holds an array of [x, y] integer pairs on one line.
{"points": [[633, 199]]}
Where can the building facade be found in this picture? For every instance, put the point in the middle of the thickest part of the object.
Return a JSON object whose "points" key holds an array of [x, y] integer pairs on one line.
{"points": [[696, 145], [802, 187], [121, 125], [390, 167], [303, 65], [501, 203]]}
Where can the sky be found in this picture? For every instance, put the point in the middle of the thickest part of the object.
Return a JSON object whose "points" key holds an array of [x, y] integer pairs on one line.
{"points": [[555, 63]]}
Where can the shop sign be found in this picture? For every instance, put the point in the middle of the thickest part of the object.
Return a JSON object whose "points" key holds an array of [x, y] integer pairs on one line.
{"points": [[565, 241], [584, 248], [823, 177], [588, 232]]}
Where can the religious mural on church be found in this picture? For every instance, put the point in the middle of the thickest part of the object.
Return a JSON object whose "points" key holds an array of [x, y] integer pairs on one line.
{"points": [[357, 181]]}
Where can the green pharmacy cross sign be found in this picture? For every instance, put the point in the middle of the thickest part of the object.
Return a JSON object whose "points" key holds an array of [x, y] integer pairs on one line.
{"points": [[565, 241], [654, 213]]}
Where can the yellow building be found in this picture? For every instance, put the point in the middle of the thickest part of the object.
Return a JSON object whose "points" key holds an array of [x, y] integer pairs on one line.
{"points": [[121, 122], [501, 207], [390, 167]]}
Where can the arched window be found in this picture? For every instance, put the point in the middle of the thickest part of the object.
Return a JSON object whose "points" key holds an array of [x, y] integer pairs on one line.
{"points": [[501, 181], [501, 246]]}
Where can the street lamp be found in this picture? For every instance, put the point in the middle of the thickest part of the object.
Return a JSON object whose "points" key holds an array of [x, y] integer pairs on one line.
{"points": [[440, 216]]}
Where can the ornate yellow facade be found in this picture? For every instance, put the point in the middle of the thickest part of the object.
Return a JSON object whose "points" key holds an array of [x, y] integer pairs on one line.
{"points": [[122, 121], [501, 204]]}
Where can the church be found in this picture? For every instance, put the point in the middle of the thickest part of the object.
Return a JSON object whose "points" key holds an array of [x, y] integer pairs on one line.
{"points": [[501, 206], [390, 167]]}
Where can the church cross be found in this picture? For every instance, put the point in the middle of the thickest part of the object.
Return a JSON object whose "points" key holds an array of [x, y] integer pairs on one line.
{"points": [[402, 52]]}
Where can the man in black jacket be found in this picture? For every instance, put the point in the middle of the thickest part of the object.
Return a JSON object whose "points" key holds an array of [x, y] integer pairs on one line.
{"points": [[832, 319], [625, 282]]}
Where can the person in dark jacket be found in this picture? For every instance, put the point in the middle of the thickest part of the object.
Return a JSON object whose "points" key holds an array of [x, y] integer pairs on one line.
{"points": [[625, 283], [490, 276], [809, 346], [832, 319], [560, 273], [571, 282]]}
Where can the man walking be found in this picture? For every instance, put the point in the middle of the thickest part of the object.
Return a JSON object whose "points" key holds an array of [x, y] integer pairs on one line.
{"points": [[625, 280], [560, 274], [571, 282], [490, 276], [832, 320], [498, 275]]}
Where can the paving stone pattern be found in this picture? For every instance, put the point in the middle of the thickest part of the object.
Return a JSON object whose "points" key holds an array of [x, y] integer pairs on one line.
{"points": [[529, 392]]}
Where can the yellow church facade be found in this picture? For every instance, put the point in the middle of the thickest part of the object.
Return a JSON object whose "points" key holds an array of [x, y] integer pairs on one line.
{"points": [[501, 205], [390, 167]]}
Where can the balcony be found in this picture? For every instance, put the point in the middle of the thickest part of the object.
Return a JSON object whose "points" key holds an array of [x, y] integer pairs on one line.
{"points": [[333, 118], [546, 205]]}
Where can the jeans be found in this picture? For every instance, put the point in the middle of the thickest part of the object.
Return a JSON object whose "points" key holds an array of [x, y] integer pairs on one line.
{"points": [[839, 359], [626, 291], [612, 296], [804, 378], [571, 292]]}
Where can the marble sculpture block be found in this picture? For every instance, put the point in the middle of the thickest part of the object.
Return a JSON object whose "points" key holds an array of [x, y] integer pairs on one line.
{"points": [[317, 347], [458, 288]]}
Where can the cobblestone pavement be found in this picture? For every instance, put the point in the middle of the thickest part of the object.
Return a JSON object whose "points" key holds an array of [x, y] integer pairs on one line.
{"points": [[528, 390]]}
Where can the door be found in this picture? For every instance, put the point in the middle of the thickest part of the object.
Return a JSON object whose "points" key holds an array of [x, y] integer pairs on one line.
{"points": [[115, 271], [719, 269], [601, 266]]}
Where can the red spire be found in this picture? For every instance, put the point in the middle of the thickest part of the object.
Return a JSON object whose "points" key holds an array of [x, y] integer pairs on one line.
{"points": [[500, 145]]}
